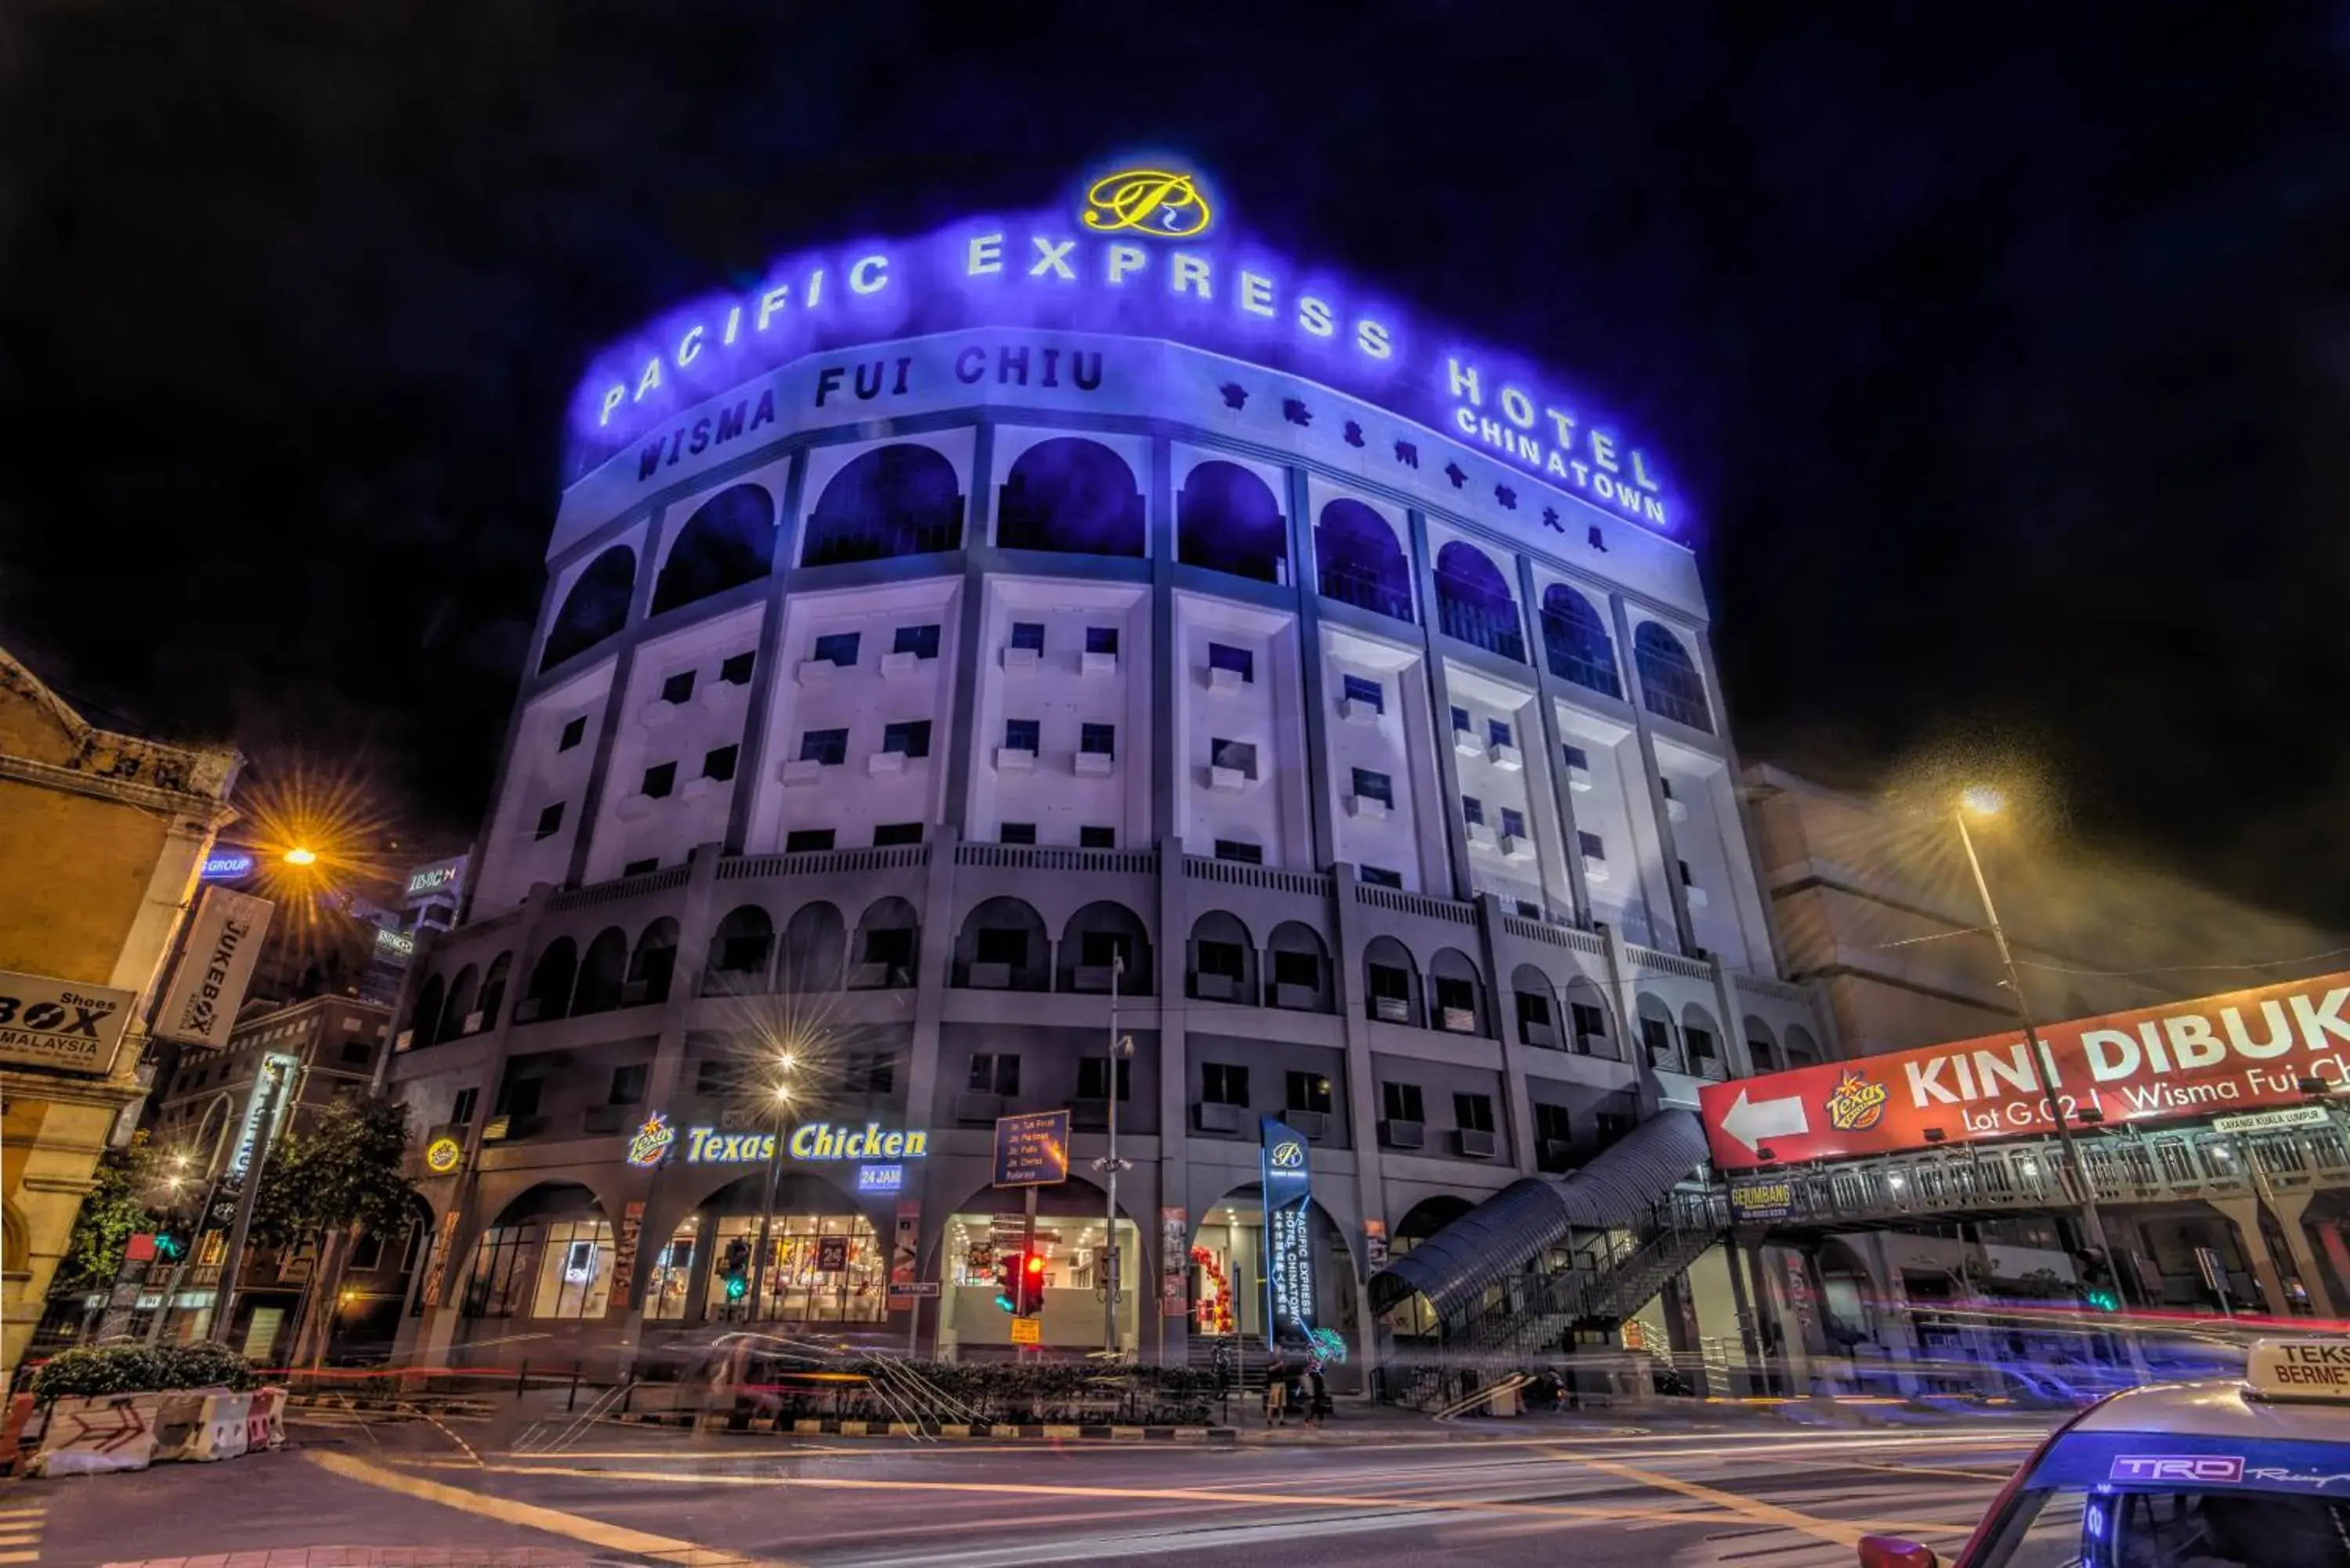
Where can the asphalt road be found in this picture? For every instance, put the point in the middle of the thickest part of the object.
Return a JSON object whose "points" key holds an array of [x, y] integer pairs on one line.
{"points": [[1750, 1492]]}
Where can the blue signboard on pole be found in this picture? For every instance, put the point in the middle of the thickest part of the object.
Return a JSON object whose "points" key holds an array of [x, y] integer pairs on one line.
{"points": [[1289, 1282], [1031, 1151]]}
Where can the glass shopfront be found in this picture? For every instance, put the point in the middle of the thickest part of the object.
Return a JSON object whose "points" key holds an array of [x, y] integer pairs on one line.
{"points": [[1075, 1274], [825, 1262], [541, 1269]]}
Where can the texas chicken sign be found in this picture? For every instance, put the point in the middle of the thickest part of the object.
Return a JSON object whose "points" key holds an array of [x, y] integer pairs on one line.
{"points": [[2232, 1052]]}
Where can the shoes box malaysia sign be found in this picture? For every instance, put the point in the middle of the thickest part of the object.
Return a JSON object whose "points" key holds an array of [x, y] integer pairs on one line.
{"points": [[62, 1025], [2214, 1055]]}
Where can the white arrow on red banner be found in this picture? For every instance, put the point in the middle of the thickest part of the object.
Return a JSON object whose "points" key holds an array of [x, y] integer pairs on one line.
{"points": [[1752, 1121]]}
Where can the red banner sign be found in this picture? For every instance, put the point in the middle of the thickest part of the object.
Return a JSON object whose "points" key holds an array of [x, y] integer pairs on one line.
{"points": [[2216, 1054]]}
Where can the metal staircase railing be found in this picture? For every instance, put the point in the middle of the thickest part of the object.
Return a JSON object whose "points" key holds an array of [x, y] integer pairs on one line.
{"points": [[1609, 1280]]}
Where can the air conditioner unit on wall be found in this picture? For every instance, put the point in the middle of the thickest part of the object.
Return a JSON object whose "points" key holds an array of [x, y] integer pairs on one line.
{"points": [[1403, 1135]]}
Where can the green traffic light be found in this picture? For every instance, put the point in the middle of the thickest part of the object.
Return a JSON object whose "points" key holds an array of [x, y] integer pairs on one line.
{"points": [[2104, 1300], [737, 1287]]}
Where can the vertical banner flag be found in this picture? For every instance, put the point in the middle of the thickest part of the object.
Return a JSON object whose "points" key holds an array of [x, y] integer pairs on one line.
{"points": [[1288, 1247], [624, 1252], [215, 965], [1174, 1262]]}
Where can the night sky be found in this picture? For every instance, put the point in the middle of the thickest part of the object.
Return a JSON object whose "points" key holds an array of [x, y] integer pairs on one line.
{"points": [[2004, 366]]}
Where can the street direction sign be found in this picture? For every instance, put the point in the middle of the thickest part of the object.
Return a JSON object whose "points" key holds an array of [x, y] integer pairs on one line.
{"points": [[1031, 1151]]}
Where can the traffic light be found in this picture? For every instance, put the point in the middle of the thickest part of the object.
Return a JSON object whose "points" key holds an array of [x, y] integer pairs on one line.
{"points": [[1020, 1283], [2099, 1290], [737, 1270]]}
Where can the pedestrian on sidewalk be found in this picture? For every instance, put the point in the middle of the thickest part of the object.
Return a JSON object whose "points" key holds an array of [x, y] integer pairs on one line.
{"points": [[1276, 1392], [1317, 1395]]}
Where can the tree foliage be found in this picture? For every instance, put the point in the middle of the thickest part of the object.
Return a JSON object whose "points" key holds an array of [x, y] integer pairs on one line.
{"points": [[115, 1209], [344, 1169]]}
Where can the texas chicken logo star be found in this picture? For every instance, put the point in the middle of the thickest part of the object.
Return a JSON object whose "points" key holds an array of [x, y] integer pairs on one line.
{"points": [[652, 1141], [1153, 202], [1856, 1104]]}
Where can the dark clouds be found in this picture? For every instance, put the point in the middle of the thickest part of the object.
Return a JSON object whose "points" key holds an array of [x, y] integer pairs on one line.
{"points": [[2005, 353]]}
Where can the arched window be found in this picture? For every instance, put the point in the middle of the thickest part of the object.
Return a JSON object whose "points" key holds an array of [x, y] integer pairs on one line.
{"points": [[459, 1004], [1390, 982], [1223, 959], [1302, 977], [815, 941], [494, 989], [1227, 520], [550, 982], [652, 963], [1701, 1039], [1096, 939], [898, 500], [1474, 604], [889, 935], [1671, 686], [1576, 641], [1002, 946], [1803, 1050], [1761, 1047], [730, 540], [1361, 562], [1074, 495], [596, 607], [424, 1019], [601, 973], [740, 950], [1457, 1003], [1588, 1021], [1658, 1039], [1537, 1007]]}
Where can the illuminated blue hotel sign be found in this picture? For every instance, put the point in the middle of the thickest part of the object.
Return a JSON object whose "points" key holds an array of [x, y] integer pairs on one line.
{"points": [[1289, 1284], [1141, 253]]}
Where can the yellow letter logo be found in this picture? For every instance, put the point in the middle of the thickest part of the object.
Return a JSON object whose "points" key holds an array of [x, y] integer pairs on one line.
{"points": [[1148, 201]]}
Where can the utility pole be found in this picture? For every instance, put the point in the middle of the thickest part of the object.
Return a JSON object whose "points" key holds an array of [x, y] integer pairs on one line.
{"points": [[1120, 1049], [279, 1075]]}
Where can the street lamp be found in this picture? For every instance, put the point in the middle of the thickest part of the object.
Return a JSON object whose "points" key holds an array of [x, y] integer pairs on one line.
{"points": [[781, 1100], [1982, 800], [301, 855], [1121, 1047]]}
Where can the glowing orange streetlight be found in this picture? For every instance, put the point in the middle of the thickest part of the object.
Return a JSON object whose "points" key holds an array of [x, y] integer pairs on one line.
{"points": [[300, 856]]}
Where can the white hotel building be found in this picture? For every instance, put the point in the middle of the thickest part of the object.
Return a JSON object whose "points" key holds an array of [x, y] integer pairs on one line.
{"points": [[891, 698]]}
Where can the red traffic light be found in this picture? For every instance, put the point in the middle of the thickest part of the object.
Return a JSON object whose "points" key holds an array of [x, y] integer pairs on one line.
{"points": [[1035, 1264]]}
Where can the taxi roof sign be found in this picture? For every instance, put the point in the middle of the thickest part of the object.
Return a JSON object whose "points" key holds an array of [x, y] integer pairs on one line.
{"points": [[2315, 1369]]}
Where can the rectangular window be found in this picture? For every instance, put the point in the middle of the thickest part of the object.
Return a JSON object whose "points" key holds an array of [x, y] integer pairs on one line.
{"points": [[838, 648], [891, 947], [1550, 1123], [1369, 693], [1460, 721], [1024, 734], [736, 670], [1472, 811], [638, 867], [1700, 1043], [1099, 740], [519, 1097], [807, 840], [1594, 847], [658, 780], [1381, 876], [678, 687], [887, 833], [1401, 1102], [1006, 945], [1513, 822], [912, 737], [358, 1052], [550, 821], [1101, 639], [1029, 634], [1370, 784], [995, 1072], [1240, 662], [1235, 849], [1100, 950], [628, 1085], [1497, 731], [1096, 837], [1093, 1078], [1227, 961], [829, 747], [1016, 832], [921, 641], [461, 1111], [1293, 967], [719, 764], [1658, 1036], [1455, 995], [1473, 1113], [1239, 756], [868, 1072], [1529, 910], [717, 1077], [1577, 757], [1309, 1092], [573, 734], [1590, 1019], [1389, 983], [1221, 1083], [1533, 1008]]}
